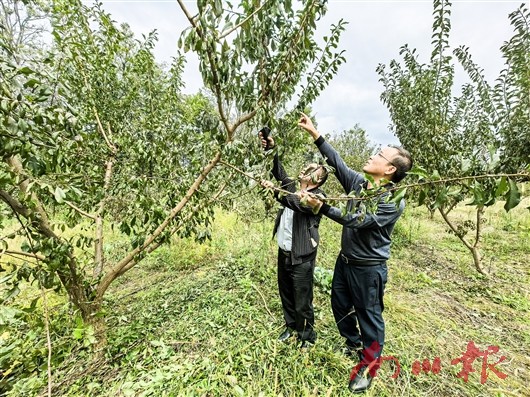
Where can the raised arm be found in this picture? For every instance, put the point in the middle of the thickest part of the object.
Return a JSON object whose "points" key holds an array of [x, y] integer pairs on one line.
{"points": [[278, 172], [280, 175], [348, 178]]}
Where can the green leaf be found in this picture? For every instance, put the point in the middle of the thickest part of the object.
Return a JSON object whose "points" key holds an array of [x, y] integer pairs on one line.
{"points": [[26, 70], [31, 83], [441, 198], [77, 333], [11, 293], [59, 195], [513, 197], [454, 190], [479, 197], [502, 187], [421, 198], [466, 165], [399, 195], [218, 8]]}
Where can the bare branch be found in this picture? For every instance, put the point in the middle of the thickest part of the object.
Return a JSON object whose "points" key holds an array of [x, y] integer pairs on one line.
{"points": [[102, 131], [15, 254], [523, 175], [472, 248], [478, 229], [243, 119], [238, 170], [48, 339], [454, 229], [221, 190], [264, 301], [79, 210]]}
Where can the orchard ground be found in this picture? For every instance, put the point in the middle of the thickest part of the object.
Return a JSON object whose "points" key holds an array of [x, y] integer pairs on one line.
{"points": [[202, 320]]}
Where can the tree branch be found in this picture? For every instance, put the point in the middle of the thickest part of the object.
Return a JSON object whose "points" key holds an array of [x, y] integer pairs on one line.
{"points": [[98, 249], [14, 204], [264, 301], [14, 254], [102, 131], [40, 220], [244, 118], [524, 175], [454, 229], [478, 230], [213, 69], [79, 210], [224, 34], [117, 269]]}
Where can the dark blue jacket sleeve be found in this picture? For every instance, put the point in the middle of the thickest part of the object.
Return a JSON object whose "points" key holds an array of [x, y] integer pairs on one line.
{"points": [[386, 213], [348, 178]]}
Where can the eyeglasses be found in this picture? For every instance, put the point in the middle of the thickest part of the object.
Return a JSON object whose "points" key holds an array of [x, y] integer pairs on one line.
{"points": [[387, 160]]}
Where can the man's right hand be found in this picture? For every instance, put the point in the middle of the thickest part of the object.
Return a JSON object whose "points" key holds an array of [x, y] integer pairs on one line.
{"points": [[269, 139], [311, 201], [306, 123], [267, 184]]}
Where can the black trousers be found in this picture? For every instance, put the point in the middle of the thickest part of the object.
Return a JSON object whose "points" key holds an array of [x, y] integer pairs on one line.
{"points": [[295, 283], [357, 304]]}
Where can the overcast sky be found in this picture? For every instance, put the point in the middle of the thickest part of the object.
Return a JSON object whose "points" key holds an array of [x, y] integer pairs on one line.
{"points": [[376, 31]]}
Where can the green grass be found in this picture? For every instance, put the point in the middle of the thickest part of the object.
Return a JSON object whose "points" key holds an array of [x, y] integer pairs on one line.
{"points": [[201, 320]]}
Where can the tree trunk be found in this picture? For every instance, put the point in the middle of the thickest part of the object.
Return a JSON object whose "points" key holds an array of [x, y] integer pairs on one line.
{"points": [[99, 326], [92, 318], [477, 258]]}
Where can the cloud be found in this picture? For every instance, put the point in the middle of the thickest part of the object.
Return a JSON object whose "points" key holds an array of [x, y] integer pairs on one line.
{"points": [[374, 35], [376, 31]]}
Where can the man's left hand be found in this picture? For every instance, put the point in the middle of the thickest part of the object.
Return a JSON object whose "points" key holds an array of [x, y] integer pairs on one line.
{"points": [[267, 184], [311, 201]]}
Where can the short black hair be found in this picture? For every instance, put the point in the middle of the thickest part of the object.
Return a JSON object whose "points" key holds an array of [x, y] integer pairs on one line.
{"points": [[313, 167], [403, 163]]}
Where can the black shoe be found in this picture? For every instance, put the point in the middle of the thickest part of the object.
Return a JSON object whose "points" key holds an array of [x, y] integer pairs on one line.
{"points": [[351, 351], [361, 382], [285, 335], [306, 345]]}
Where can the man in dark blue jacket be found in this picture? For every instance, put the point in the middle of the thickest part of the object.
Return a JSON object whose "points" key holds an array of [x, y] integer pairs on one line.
{"points": [[360, 270], [296, 228]]}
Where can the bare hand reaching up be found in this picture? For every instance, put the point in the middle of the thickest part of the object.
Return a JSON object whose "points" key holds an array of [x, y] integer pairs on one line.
{"points": [[306, 123]]}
